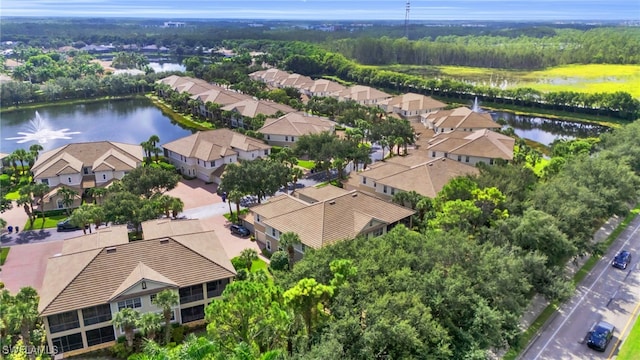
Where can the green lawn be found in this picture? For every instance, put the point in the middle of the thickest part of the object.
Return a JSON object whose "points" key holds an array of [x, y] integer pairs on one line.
{"points": [[14, 195], [4, 252], [630, 349], [307, 164], [258, 264], [49, 222]]}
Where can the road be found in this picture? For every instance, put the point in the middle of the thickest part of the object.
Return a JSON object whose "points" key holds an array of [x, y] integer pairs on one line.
{"points": [[607, 294]]}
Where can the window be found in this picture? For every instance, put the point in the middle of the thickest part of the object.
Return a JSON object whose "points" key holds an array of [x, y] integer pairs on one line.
{"points": [[192, 314], [286, 138], [68, 343], [191, 293], [459, 157], [96, 314], [393, 191], [378, 232], [266, 152], [213, 164], [268, 245], [293, 139], [433, 154], [152, 297], [198, 161], [60, 204], [69, 179], [86, 171], [490, 161], [104, 176], [129, 303], [466, 159], [216, 287], [446, 154], [268, 137], [45, 181], [273, 232], [64, 321], [253, 155], [384, 189], [257, 218], [100, 336], [364, 180]]}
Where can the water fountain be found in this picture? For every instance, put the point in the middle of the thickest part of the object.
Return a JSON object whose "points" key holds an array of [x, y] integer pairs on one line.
{"points": [[476, 106], [38, 130]]}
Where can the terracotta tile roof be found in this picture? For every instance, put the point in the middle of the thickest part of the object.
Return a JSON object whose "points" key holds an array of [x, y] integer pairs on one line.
{"points": [[155, 229], [325, 86], [139, 273], [92, 277], [412, 102], [71, 158], [481, 143], [214, 144], [278, 205], [251, 107], [461, 118], [319, 193], [361, 93], [296, 81], [269, 75], [428, 178], [105, 237], [297, 124], [340, 218], [221, 96]]}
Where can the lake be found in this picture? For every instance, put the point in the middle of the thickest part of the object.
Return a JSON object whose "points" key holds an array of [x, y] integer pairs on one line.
{"points": [[128, 121]]}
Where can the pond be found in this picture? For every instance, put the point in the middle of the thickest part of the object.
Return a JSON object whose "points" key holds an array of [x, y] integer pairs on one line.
{"points": [[128, 121], [545, 131]]}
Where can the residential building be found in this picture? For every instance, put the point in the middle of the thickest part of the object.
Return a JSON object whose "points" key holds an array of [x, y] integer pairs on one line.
{"points": [[287, 129], [363, 95], [82, 166], [97, 275], [251, 108], [416, 172], [458, 119], [471, 148], [296, 81], [324, 216], [410, 105], [272, 77], [204, 154], [322, 87]]}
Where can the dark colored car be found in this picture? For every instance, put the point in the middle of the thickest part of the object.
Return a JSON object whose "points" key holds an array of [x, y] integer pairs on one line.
{"points": [[66, 225], [600, 336], [240, 230], [622, 260]]}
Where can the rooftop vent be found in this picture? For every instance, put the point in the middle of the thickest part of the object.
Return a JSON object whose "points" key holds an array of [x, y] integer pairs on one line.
{"points": [[164, 241], [332, 202], [111, 250], [443, 159], [354, 194]]}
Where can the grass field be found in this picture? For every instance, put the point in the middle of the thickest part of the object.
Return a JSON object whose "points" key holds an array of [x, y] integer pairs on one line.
{"points": [[307, 164], [4, 252], [630, 349], [588, 78], [257, 265], [49, 222]]}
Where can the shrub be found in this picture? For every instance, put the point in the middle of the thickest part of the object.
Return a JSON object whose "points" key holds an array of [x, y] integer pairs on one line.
{"points": [[243, 274], [164, 166], [279, 261], [238, 263], [266, 253], [120, 350], [177, 334], [5, 181]]}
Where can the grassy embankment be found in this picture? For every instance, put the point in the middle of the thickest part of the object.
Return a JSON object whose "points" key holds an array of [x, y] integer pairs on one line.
{"points": [[630, 349], [65, 102], [590, 78], [186, 121], [531, 332]]}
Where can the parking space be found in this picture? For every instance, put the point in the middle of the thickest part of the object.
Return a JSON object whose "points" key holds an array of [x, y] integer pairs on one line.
{"points": [[232, 244], [26, 264], [195, 193]]}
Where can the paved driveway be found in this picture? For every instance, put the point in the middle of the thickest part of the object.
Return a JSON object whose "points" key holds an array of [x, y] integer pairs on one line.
{"points": [[26, 264], [195, 193]]}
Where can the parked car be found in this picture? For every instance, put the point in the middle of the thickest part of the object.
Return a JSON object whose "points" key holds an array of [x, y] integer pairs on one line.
{"points": [[66, 225], [622, 260], [240, 230], [600, 336]]}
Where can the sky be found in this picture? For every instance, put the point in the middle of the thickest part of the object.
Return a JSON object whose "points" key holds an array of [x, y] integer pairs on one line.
{"points": [[517, 10]]}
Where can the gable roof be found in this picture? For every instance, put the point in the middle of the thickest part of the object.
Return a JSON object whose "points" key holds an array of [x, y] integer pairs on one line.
{"points": [[278, 205], [297, 124], [361, 93], [87, 278], [219, 95], [139, 273], [71, 158], [319, 193], [412, 102], [252, 107], [325, 86], [461, 118], [296, 81], [481, 143], [214, 144], [269, 75], [339, 218], [101, 238]]}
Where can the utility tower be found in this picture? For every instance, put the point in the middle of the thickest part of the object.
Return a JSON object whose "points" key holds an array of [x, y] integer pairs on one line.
{"points": [[406, 19]]}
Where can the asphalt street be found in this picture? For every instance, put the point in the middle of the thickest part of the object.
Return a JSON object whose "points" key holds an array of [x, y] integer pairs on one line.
{"points": [[608, 294]]}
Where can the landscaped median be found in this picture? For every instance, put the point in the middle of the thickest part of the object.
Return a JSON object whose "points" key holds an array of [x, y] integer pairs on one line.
{"points": [[537, 325]]}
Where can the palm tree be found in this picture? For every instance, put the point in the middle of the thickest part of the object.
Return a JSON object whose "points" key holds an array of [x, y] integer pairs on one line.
{"points": [[287, 241], [68, 196], [177, 206], [35, 150], [249, 256], [235, 196], [148, 148], [21, 155], [166, 299], [153, 142], [12, 159], [98, 193], [24, 313], [126, 319], [82, 216], [39, 190], [149, 324], [6, 303]]}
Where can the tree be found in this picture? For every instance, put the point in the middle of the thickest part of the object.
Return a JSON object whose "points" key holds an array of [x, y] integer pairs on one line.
{"points": [[30, 196], [287, 241], [35, 150], [147, 181], [21, 155], [251, 312], [249, 256], [68, 197], [308, 298], [83, 217], [166, 300], [24, 313], [127, 319], [149, 324], [279, 260]]}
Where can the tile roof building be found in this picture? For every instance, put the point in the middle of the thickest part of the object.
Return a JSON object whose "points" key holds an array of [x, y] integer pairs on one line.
{"points": [[100, 274], [363, 95], [471, 148], [410, 105], [204, 154], [285, 130], [458, 119]]}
